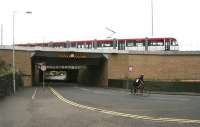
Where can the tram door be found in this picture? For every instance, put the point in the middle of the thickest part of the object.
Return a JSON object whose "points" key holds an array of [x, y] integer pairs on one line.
{"points": [[95, 45], [114, 44], [167, 45], [121, 45]]}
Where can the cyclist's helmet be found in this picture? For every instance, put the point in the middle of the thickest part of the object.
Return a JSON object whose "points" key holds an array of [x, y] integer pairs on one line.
{"points": [[141, 76]]}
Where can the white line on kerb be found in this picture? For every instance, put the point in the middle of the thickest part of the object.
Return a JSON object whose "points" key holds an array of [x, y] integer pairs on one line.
{"points": [[33, 97]]}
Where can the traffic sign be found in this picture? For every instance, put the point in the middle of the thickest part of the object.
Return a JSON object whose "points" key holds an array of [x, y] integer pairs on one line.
{"points": [[130, 68], [43, 67]]}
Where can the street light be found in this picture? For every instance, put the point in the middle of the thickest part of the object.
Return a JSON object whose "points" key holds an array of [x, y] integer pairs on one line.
{"points": [[13, 61], [1, 34], [152, 18]]}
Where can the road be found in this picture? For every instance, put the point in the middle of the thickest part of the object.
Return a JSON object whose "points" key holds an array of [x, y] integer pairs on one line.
{"points": [[38, 107], [57, 77]]}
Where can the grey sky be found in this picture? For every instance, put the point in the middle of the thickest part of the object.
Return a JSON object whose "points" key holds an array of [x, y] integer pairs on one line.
{"points": [[60, 20]]}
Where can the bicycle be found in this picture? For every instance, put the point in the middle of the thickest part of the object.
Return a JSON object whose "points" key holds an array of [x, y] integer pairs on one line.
{"points": [[143, 92]]}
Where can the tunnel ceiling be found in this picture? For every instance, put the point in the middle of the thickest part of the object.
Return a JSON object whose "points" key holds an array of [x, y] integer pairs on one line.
{"points": [[68, 58]]}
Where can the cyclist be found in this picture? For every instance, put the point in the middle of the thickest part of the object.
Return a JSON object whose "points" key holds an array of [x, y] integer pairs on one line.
{"points": [[138, 84]]}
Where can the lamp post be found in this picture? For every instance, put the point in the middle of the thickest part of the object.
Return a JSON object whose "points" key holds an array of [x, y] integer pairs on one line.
{"points": [[13, 61], [152, 18], [1, 34]]}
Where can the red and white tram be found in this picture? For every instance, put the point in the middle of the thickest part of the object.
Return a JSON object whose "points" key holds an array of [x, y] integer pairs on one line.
{"points": [[135, 44]]}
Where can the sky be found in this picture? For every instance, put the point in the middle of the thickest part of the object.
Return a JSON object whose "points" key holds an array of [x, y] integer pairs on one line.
{"points": [[62, 20]]}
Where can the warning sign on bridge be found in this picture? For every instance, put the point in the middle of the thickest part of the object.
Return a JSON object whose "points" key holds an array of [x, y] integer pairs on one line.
{"points": [[43, 67]]}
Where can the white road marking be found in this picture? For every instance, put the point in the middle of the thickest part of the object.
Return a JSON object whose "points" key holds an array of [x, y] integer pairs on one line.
{"points": [[33, 97]]}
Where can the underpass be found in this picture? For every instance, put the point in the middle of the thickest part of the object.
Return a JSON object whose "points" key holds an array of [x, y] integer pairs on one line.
{"points": [[69, 68]]}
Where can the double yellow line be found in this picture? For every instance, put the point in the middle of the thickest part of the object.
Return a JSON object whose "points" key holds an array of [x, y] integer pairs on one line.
{"points": [[59, 96]]}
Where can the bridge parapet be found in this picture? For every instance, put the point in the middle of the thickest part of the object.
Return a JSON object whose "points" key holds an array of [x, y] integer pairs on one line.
{"points": [[49, 49]]}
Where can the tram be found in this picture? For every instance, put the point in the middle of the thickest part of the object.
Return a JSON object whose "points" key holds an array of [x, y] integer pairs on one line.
{"points": [[134, 44]]}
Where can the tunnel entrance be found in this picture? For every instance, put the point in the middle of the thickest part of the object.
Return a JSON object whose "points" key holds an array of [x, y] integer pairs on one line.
{"points": [[67, 68]]}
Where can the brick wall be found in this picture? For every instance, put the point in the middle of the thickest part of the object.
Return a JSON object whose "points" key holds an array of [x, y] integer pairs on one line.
{"points": [[23, 63], [117, 66], [155, 66]]}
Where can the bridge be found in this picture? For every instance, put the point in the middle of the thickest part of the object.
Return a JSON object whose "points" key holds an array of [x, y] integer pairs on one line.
{"points": [[103, 67]]}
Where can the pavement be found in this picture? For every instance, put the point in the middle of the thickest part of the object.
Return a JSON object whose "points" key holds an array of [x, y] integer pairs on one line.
{"points": [[38, 107]]}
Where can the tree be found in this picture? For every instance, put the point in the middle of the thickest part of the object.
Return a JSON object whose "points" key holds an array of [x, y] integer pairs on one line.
{"points": [[3, 67]]}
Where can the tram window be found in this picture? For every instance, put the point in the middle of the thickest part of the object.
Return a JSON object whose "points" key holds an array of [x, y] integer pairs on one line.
{"points": [[157, 43], [149, 43], [49, 45], [111, 44], [89, 45], [160, 43], [139, 44], [130, 43], [81, 45], [107, 44], [86, 45], [54, 45], [78, 45], [99, 44], [63, 45], [174, 42], [143, 42], [167, 42], [73, 45]]}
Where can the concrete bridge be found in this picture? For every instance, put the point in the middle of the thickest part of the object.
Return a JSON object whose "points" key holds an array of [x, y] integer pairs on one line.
{"points": [[103, 67]]}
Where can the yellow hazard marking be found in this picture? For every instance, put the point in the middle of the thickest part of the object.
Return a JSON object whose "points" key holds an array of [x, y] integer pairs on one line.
{"points": [[59, 96]]}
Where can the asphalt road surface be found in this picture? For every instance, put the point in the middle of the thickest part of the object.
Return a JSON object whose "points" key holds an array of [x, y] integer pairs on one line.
{"points": [[38, 107]]}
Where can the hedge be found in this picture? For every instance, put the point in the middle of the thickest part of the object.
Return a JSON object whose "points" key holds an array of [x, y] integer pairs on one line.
{"points": [[6, 83]]}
